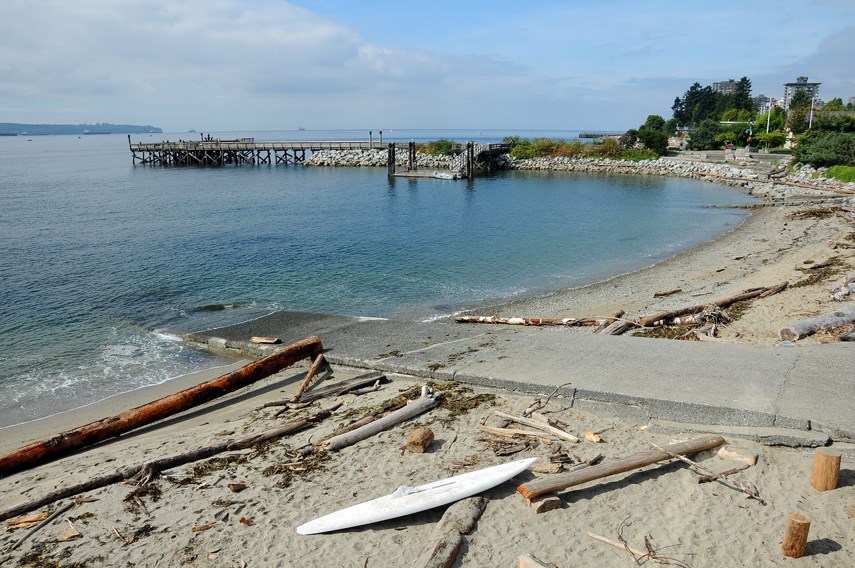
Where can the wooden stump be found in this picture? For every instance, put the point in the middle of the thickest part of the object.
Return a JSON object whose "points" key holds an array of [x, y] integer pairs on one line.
{"points": [[795, 537], [826, 469], [419, 440]]}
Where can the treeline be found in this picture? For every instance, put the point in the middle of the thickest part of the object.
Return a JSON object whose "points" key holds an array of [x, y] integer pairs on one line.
{"points": [[44, 129]]}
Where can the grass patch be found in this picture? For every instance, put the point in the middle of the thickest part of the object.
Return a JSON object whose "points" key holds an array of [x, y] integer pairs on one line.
{"points": [[846, 174]]}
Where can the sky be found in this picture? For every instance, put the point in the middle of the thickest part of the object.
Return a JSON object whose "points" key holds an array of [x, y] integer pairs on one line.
{"points": [[255, 65]]}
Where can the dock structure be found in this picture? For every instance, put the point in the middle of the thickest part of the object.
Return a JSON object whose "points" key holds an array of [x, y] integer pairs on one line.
{"points": [[466, 158], [216, 152]]}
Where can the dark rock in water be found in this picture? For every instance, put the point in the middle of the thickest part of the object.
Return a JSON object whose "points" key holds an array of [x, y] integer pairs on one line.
{"points": [[211, 308]]}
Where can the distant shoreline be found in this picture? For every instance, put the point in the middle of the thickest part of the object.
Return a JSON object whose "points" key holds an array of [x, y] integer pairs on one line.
{"points": [[26, 129]]}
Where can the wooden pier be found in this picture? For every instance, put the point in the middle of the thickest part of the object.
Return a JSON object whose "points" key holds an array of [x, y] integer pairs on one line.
{"points": [[467, 158]]}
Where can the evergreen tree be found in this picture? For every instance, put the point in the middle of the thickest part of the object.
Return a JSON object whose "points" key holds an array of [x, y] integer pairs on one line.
{"points": [[741, 99]]}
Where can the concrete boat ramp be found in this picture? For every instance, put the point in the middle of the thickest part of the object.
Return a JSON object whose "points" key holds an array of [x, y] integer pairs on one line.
{"points": [[785, 394]]}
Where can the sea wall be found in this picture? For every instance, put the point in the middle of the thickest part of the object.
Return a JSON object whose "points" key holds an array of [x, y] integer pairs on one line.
{"points": [[744, 174]]}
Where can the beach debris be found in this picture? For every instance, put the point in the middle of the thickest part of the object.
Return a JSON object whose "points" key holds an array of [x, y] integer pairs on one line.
{"points": [[745, 487], [570, 479], [123, 538], [825, 472], [246, 521], [319, 363], [678, 315], [428, 401], [737, 453], [538, 404], [666, 293], [716, 476], [516, 433], [553, 430], [47, 520], [528, 321], [418, 441], [806, 327], [148, 472], [796, 535], [204, 526], [265, 340], [544, 503], [843, 287], [25, 522], [551, 467], [638, 556], [66, 442], [70, 533], [609, 321], [592, 436], [236, 487], [447, 537], [530, 561]]}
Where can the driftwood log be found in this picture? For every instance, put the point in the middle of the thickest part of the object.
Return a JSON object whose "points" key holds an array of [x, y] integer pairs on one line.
{"points": [[94, 432], [447, 538], [319, 363], [426, 402], [153, 469], [803, 328], [548, 428], [528, 321], [843, 287], [562, 481], [662, 317]]}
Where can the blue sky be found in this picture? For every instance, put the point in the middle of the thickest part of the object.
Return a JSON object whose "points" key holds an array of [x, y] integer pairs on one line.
{"points": [[217, 65]]}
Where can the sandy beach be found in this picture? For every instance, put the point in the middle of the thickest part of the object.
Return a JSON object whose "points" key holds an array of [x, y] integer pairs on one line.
{"points": [[243, 510]]}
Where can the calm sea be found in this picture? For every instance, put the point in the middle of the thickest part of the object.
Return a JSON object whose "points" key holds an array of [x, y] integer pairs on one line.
{"points": [[98, 255]]}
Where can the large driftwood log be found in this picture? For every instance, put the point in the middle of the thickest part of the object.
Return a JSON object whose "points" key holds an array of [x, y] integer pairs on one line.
{"points": [[445, 542], [153, 469], [419, 406], [657, 319], [803, 328], [94, 432], [527, 321], [565, 480]]}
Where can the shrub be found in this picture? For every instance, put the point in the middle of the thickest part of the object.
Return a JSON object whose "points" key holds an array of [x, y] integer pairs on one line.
{"points": [[638, 154], [819, 149], [655, 140], [441, 147]]}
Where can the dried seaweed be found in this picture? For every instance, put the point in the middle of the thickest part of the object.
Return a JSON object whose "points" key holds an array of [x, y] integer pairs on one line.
{"points": [[820, 273]]}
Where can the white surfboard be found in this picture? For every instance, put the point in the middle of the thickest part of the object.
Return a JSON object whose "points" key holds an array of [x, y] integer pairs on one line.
{"points": [[407, 500]]}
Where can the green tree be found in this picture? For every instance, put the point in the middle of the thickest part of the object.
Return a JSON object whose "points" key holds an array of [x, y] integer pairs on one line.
{"points": [[800, 100], [776, 119], [653, 122], [772, 139], [703, 137], [834, 105], [655, 140], [741, 99]]}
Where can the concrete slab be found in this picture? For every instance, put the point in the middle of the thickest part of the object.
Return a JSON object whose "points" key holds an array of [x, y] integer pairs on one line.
{"points": [[795, 387]]}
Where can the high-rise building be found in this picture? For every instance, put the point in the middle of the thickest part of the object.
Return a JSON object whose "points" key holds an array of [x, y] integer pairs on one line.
{"points": [[801, 84], [725, 87]]}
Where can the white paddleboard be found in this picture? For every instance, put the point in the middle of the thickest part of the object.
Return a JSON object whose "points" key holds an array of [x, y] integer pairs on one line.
{"points": [[407, 500]]}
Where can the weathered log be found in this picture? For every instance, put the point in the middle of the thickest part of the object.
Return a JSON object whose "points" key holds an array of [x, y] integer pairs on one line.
{"points": [[654, 319], [153, 468], [526, 321], [419, 440], [529, 561], [617, 328], [806, 327], [445, 542], [843, 287], [666, 293], [609, 321], [557, 432], [419, 406], [565, 480], [94, 432]]}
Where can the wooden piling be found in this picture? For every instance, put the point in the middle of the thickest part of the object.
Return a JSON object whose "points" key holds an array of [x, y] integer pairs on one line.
{"points": [[826, 469], [795, 535]]}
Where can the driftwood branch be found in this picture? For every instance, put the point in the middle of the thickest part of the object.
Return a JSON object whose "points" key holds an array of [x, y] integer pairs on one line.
{"points": [[749, 491], [661, 317], [565, 480], [427, 402], [151, 470], [319, 363], [557, 432], [527, 320], [66, 442]]}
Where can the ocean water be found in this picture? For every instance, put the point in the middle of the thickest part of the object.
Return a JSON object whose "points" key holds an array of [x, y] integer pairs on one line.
{"points": [[99, 257]]}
